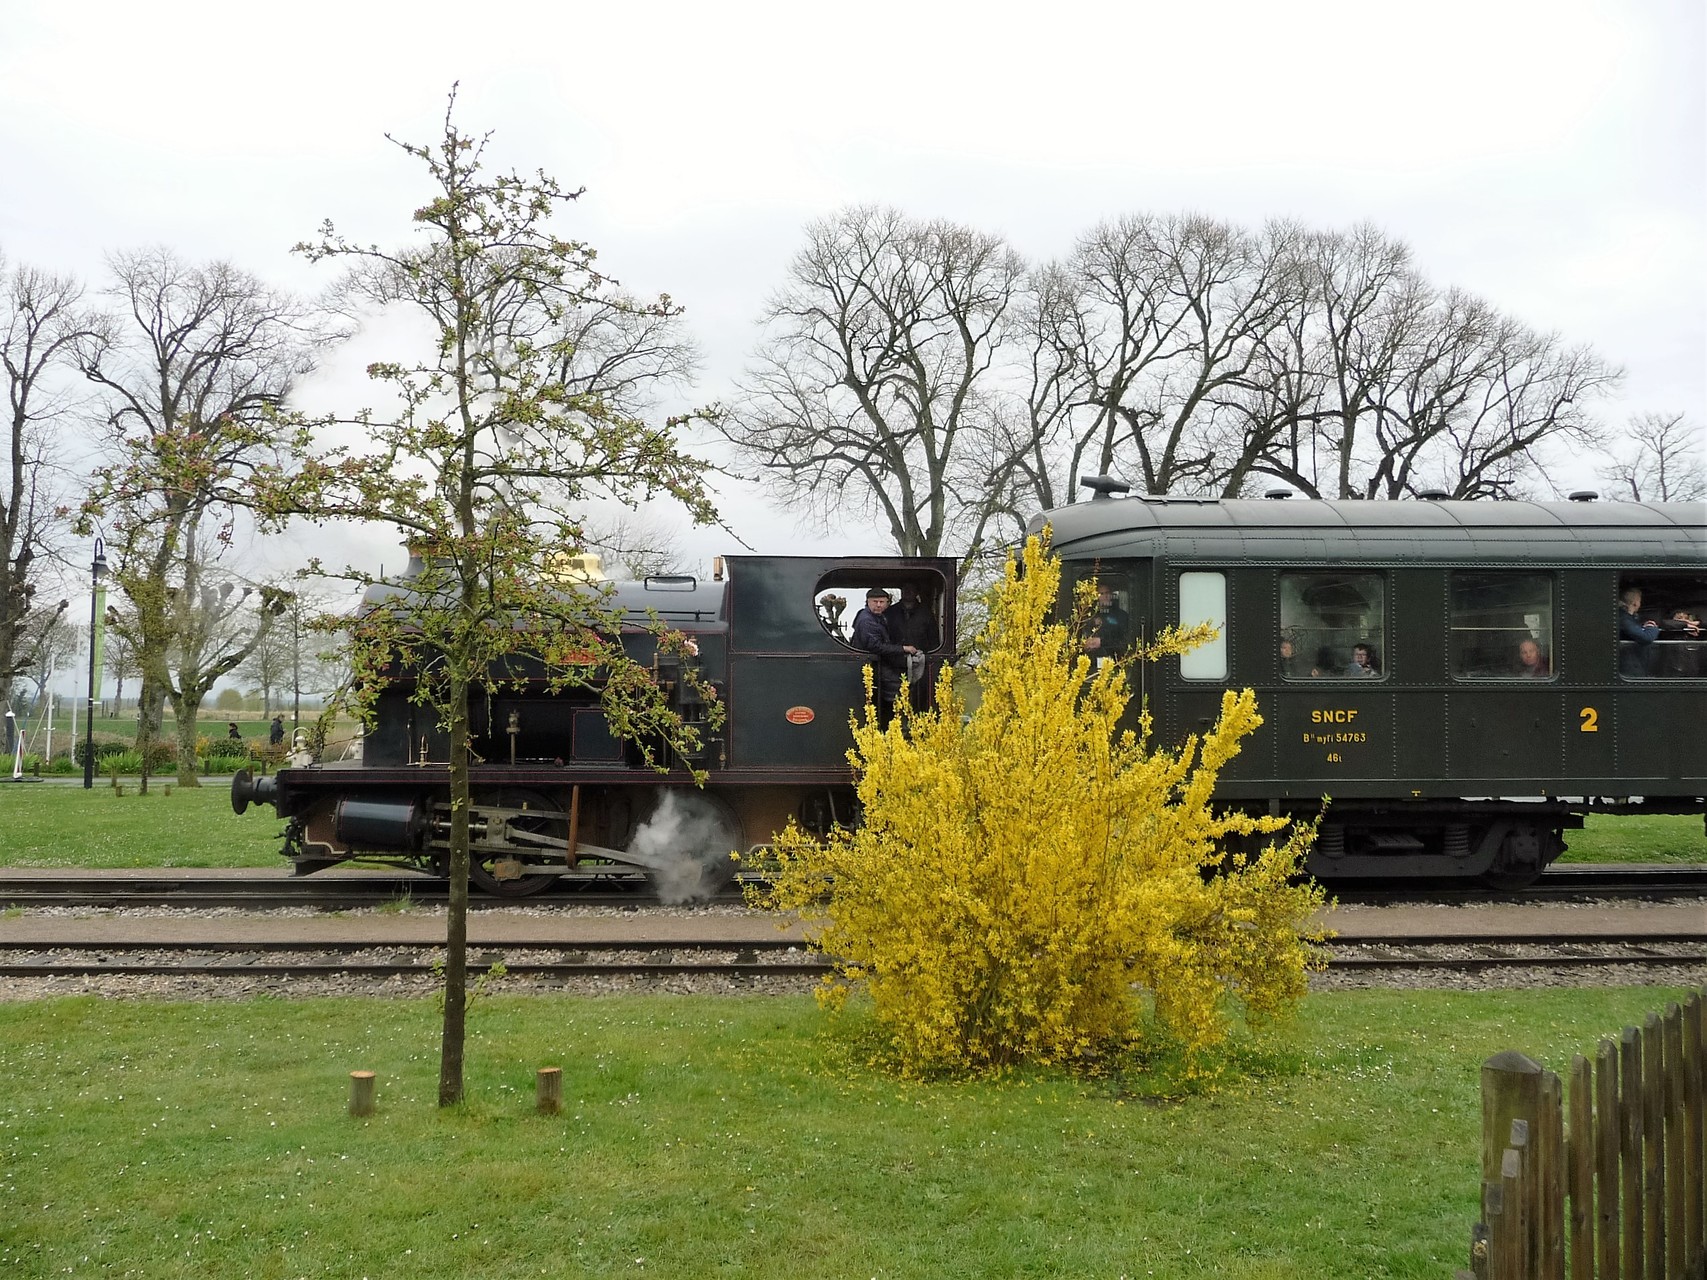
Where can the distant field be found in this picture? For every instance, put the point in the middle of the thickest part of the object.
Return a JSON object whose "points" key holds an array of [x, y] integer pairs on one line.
{"points": [[742, 1136], [55, 824]]}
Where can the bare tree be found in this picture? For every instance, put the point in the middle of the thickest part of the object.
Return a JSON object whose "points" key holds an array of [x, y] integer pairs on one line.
{"points": [[208, 353], [269, 664], [872, 390], [42, 321], [1660, 460]]}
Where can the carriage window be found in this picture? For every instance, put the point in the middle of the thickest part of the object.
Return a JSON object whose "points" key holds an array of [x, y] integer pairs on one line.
{"points": [[1502, 626], [1203, 598], [1660, 632], [1332, 625]]}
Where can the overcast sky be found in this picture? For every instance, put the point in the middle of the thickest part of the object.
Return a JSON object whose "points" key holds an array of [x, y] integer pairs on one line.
{"points": [[1551, 157]]}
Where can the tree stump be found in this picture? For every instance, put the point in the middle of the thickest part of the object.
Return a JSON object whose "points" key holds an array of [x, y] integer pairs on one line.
{"points": [[548, 1090], [361, 1093]]}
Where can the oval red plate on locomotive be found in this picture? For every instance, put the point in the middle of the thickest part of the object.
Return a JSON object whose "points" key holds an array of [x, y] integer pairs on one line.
{"points": [[799, 715]]}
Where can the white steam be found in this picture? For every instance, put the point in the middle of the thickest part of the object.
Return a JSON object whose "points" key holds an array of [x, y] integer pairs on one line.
{"points": [[685, 847]]}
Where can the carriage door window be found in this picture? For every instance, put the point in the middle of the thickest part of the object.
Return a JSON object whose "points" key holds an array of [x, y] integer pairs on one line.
{"points": [[1332, 626], [1502, 626], [1203, 598]]}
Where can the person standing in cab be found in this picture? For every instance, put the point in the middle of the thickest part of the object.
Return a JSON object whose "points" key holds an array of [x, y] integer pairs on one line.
{"points": [[889, 658], [911, 622]]}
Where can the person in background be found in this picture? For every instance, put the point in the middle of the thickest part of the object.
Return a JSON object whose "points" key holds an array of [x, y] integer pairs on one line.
{"points": [[275, 734], [232, 731], [1289, 667], [1530, 664], [889, 659]]}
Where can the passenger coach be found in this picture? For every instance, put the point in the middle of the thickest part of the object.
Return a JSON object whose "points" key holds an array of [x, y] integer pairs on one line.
{"points": [[1463, 680]]}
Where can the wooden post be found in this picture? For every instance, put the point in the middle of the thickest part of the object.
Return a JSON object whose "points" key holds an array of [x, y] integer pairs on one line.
{"points": [[1513, 1258], [1606, 1135], [1695, 1107], [574, 825], [1653, 1149], [1579, 1161], [1673, 1036], [1486, 1234], [1511, 1090], [1548, 1185], [1630, 1152], [548, 1090], [361, 1093]]}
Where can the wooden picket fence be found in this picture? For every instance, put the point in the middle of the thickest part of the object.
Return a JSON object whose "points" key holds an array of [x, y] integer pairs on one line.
{"points": [[1605, 1181]]}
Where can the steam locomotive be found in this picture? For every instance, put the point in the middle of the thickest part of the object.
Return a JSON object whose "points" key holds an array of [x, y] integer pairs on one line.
{"points": [[1463, 682], [559, 796]]}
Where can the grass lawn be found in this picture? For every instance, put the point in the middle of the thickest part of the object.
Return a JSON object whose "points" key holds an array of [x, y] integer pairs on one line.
{"points": [[1660, 837], [58, 824], [738, 1136]]}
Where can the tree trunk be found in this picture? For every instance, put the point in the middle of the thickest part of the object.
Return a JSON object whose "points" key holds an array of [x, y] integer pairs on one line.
{"points": [[456, 923], [187, 712]]}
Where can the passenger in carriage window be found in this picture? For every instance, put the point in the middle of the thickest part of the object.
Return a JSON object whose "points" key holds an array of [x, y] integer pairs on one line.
{"points": [[1290, 667], [1678, 656], [1635, 638], [1363, 663], [1531, 665]]}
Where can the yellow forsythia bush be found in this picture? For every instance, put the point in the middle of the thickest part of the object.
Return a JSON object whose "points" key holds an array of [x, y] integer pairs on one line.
{"points": [[1025, 876]]}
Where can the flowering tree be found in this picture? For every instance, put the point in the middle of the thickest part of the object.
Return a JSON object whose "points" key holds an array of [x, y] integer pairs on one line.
{"points": [[509, 423], [1024, 872]]}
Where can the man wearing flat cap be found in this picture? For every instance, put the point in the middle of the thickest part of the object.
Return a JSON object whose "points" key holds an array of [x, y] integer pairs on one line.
{"points": [[889, 659]]}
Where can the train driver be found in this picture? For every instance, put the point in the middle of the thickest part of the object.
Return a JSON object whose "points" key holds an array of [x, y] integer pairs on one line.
{"points": [[889, 659]]}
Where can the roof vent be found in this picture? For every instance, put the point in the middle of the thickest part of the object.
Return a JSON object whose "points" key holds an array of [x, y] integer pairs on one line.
{"points": [[1103, 487], [1585, 495], [1433, 495], [1279, 495]]}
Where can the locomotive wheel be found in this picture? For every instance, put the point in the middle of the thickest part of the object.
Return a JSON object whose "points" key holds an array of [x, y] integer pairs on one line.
{"points": [[496, 873]]}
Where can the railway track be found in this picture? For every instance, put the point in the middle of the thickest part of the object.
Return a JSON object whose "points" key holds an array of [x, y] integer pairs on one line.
{"points": [[267, 890], [771, 958]]}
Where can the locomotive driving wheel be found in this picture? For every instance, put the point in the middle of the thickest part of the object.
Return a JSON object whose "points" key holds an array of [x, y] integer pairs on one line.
{"points": [[528, 822]]}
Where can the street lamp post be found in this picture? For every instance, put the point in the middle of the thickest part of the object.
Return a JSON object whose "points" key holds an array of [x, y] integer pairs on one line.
{"points": [[97, 571]]}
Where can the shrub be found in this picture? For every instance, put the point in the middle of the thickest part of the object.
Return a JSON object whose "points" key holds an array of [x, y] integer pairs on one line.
{"points": [[229, 700], [1020, 870]]}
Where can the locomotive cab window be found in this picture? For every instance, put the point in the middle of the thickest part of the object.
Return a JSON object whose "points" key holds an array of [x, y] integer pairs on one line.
{"points": [[1502, 626], [1660, 630], [914, 603], [1203, 598], [1332, 626]]}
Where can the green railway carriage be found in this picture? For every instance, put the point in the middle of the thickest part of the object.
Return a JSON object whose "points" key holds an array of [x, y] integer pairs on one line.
{"points": [[1456, 677]]}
